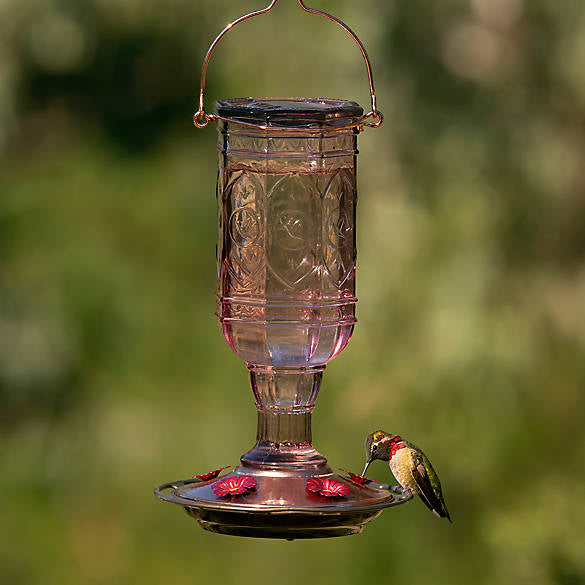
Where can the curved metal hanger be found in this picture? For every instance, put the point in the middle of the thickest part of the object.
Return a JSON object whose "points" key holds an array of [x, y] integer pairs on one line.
{"points": [[201, 118]]}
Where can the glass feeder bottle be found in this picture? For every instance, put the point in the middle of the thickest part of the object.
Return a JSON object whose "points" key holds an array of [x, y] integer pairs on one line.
{"points": [[286, 258]]}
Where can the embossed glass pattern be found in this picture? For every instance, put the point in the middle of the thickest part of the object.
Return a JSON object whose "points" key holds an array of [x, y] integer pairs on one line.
{"points": [[286, 249]]}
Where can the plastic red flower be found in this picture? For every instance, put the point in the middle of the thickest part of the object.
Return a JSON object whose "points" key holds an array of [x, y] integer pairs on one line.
{"points": [[234, 486], [210, 474], [314, 485], [327, 487], [359, 479]]}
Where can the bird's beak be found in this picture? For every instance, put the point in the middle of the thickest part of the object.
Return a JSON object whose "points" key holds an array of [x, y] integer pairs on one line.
{"points": [[366, 467]]}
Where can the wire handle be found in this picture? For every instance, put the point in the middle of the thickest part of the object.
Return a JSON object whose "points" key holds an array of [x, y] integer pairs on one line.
{"points": [[202, 118]]}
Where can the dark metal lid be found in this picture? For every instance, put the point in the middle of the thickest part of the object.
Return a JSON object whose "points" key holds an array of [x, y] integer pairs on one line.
{"points": [[289, 111]]}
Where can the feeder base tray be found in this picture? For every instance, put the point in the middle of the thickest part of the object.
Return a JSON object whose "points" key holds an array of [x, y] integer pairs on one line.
{"points": [[280, 506]]}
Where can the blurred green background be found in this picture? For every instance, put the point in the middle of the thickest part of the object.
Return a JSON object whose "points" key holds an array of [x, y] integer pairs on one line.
{"points": [[114, 376]]}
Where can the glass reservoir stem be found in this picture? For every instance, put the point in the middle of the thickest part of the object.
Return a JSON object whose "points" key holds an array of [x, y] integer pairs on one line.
{"points": [[285, 399], [284, 429]]}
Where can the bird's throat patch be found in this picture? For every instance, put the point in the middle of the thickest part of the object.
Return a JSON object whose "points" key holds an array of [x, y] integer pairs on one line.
{"points": [[396, 445]]}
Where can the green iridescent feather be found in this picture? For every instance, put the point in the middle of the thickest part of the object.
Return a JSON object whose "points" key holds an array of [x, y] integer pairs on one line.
{"points": [[428, 483]]}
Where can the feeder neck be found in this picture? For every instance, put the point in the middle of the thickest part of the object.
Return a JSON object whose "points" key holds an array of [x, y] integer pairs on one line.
{"points": [[285, 429], [284, 442], [285, 390]]}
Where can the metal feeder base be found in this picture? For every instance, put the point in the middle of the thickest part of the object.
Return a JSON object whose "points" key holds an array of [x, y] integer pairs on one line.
{"points": [[280, 505]]}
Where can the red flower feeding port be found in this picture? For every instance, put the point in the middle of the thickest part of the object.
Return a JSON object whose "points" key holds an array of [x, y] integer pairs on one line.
{"points": [[327, 487], [234, 486], [210, 474], [359, 479]]}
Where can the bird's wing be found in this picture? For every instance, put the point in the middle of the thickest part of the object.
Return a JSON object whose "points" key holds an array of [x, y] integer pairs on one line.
{"points": [[428, 483]]}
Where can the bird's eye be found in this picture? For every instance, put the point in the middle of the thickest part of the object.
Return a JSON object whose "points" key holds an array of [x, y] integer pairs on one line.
{"points": [[374, 447]]}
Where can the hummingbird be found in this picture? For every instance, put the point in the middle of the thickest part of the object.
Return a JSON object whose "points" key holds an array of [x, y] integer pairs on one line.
{"points": [[410, 466]]}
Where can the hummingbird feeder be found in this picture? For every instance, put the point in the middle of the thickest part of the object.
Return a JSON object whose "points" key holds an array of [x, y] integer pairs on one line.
{"points": [[286, 252]]}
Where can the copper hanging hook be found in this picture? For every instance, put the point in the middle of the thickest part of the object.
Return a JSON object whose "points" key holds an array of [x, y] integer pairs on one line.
{"points": [[201, 118]]}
